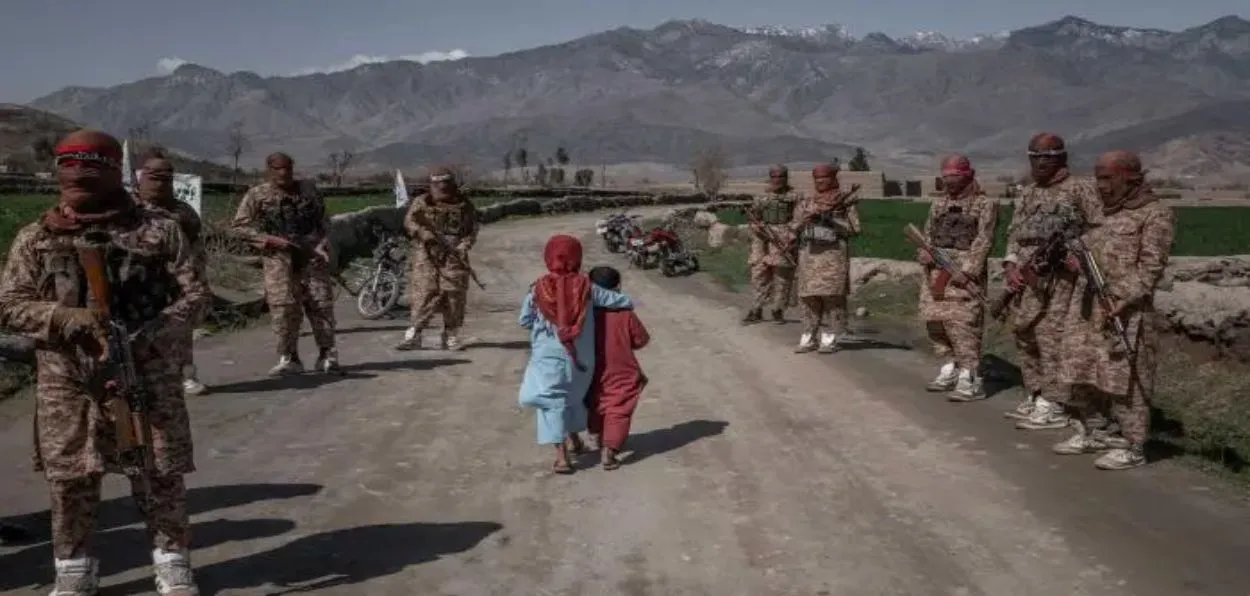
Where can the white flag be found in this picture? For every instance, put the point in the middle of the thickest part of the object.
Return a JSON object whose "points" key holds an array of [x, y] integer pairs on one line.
{"points": [[401, 190], [129, 178]]}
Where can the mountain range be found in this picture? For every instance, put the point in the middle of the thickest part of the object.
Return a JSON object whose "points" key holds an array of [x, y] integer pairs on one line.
{"points": [[761, 95]]}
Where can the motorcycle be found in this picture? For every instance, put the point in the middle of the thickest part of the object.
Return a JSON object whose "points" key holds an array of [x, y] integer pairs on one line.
{"points": [[381, 290], [616, 229], [661, 247]]}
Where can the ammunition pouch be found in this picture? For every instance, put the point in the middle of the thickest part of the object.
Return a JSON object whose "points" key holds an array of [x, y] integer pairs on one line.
{"points": [[954, 229]]}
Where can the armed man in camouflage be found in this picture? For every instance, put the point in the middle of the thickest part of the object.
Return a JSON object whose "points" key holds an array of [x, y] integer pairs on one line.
{"points": [[961, 223], [773, 259], [1130, 245], [157, 290], [156, 191], [287, 220], [443, 226], [1054, 209], [823, 224]]}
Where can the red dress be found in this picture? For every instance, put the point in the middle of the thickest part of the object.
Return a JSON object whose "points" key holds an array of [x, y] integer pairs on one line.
{"points": [[618, 380]]}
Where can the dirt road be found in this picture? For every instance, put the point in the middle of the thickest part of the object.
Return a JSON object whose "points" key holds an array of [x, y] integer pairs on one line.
{"points": [[756, 472]]}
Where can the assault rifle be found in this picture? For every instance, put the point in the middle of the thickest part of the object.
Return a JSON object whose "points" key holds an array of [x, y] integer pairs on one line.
{"points": [[844, 199], [755, 218], [125, 399], [1046, 256], [943, 261], [448, 250], [1098, 282]]}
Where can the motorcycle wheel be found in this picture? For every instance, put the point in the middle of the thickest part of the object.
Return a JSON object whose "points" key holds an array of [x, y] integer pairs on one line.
{"points": [[612, 246], [374, 302], [667, 269]]}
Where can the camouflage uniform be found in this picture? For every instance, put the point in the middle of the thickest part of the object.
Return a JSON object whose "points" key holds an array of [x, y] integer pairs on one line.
{"points": [[771, 269], [963, 227], [824, 273], [159, 290], [1131, 247], [192, 229], [297, 283], [1037, 314], [439, 281]]}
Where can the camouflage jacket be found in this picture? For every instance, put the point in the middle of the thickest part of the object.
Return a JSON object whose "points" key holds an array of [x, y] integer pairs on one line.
{"points": [[300, 217], [158, 290], [776, 208], [454, 225]]}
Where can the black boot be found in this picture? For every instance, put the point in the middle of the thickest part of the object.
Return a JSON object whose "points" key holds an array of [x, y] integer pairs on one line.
{"points": [[753, 316]]}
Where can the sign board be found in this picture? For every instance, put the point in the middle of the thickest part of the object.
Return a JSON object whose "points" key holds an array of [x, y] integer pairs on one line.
{"points": [[188, 188]]}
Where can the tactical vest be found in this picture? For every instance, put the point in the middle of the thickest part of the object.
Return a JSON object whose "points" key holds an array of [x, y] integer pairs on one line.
{"points": [[1047, 218], [776, 209], [827, 227], [140, 284], [451, 222], [292, 216], [954, 228]]}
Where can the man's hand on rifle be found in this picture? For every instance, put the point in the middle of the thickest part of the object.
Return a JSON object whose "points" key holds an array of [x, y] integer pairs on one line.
{"points": [[322, 251], [83, 327], [924, 258], [1014, 277], [270, 242], [1071, 263], [959, 279]]}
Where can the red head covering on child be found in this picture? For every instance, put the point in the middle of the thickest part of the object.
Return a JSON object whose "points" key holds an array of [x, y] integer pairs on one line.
{"points": [[563, 294]]}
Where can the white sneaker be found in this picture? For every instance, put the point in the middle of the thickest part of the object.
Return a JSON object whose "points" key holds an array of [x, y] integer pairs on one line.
{"points": [[967, 388], [193, 387], [1082, 442], [1120, 459], [76, 577], [945, 379], [828, 341], [287, 365], [1047, 415], [172, 571], [1112, 440], [451, 341], [1024, 409], [412, 340], [328, 362], [807, 342]]}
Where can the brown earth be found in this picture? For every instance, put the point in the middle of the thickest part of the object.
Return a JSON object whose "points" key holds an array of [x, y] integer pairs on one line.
{"points": [[755, 471]]}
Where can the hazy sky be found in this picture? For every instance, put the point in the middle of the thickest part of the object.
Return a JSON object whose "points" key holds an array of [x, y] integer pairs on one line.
{"points": [[49, 44]]}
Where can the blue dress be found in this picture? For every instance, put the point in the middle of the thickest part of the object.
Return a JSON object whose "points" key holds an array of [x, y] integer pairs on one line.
{"points": [[553, 386]]}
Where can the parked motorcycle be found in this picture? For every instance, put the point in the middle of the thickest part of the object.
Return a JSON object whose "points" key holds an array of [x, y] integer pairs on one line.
{"points": [[616, 229], [381, 290], [661, 247]]}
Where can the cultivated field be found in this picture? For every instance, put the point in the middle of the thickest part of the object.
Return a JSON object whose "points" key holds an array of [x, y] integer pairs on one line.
{"points": [[1203, 230]]}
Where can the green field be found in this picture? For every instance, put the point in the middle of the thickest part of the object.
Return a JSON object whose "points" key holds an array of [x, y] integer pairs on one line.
{"points": [[1201, 231]]}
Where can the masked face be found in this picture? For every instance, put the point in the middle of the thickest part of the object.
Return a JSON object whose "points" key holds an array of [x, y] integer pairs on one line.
{"points": [[778, 180], [1047, 156], [955, 184], [85, 180], [1114, 185], [825, 182], [281, 171], [157, 183]]}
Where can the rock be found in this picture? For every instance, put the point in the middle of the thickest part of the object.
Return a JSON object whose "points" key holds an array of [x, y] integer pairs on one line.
{"points": [[716, 234], [861, 312], [705, 219], [864, 270]]}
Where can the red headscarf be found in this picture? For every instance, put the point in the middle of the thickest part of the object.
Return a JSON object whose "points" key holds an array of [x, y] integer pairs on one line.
{"points": [[89, 171], [562, 295]]}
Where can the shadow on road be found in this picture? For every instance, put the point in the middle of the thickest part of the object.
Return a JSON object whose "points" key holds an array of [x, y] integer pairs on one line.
{"points": [[336, 558], [663, 440], [364, 329], [853, 344], [499, 345], [121, 550], [312, 380], [999, 374]]}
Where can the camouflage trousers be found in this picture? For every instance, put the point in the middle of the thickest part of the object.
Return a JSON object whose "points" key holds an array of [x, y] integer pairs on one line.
{"points": [[1131, 412], [76, 501], [287, 319], [817, 308], [771, 285], [450, 304], [1040, 362], [958, 338]]}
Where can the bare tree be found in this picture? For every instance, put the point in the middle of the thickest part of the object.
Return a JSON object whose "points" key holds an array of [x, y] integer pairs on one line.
{"points": [[522, 161], [237, 144], [710, 168], [339, 161], [507, 167]]}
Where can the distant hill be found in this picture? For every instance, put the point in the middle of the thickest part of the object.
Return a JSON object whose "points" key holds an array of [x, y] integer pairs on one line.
{"points": [[763, 94]]}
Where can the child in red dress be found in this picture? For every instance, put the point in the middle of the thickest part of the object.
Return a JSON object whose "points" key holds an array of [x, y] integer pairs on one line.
{"points": [[618, 380]]}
